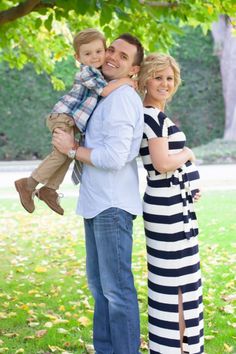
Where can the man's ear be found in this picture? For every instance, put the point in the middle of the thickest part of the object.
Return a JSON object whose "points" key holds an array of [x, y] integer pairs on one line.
{"points": [[134, 70]]}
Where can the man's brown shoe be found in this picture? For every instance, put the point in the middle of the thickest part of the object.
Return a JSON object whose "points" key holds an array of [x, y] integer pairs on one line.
{"points": [[26, 194], [51, 198]]}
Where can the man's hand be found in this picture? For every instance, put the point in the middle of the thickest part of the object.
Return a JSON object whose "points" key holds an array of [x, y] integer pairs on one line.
{"points": [[63, 141]]}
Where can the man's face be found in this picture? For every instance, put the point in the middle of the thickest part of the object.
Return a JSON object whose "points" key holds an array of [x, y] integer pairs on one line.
{"points": [[119, 59]]}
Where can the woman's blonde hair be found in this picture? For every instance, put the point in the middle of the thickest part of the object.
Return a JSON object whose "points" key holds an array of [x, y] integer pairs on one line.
{"points": [[154, 63]]}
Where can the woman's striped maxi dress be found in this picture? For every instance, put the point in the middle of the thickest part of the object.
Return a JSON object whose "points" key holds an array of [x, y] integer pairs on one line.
{"points": [[172, 246]]}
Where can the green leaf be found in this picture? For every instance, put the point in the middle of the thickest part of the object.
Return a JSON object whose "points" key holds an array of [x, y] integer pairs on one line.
{"points": [[107, 31], [48, 22], [58, 84], [105, 15], [122, 14], [38, 23]]}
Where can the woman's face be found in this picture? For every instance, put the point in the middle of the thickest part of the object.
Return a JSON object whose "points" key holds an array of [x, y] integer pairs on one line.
{"points": [[161, 87]]}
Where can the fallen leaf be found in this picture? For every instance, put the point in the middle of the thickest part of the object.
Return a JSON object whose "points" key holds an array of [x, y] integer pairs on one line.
{"points": [[12, 314], [60, 320], [24, 307], [48, 325], [40, 269], [29, 338], [11, 335], [41, 333], [3, 316], [62, 331], [228, 348], [229, 297], [84, 321], [89, 348], [209, 337], [144, 344], [228, 309], [20, 270], [54, 348], [33, 324], [33, 291]]}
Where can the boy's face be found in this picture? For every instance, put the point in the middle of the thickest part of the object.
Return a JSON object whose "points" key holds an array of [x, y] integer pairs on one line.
{"points": [[92, 54]]}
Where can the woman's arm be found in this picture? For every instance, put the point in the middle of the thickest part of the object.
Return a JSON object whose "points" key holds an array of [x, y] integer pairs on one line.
{"points": [[162, 160]]}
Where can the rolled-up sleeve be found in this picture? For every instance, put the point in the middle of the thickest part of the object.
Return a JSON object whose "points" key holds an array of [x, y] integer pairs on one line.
{"points": [[117, 131]]}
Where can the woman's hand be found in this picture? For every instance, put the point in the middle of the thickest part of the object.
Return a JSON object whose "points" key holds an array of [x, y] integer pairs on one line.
{"points": [[63, 141], [197, 196], [191, 157]]}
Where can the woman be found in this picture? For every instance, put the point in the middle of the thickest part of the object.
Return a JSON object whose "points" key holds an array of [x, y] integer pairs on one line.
{"points": [[174, 280]]}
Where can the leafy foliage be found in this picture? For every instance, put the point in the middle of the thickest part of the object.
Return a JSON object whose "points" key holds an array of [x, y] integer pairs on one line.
{"points": [[40, 32]]}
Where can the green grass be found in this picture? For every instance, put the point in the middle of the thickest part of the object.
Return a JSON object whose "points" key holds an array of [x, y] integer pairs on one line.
{"points": [[43, 284], [217, 223], [218, 151]]}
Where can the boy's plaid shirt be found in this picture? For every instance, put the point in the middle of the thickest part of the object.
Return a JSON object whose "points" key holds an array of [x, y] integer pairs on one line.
{"points": [[81, 100]]}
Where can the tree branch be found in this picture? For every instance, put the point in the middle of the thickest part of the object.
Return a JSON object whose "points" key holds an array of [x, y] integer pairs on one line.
{"points": [[22, 10], [158, 3]]}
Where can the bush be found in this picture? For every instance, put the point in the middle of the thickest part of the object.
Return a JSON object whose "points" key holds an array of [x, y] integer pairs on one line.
{"points": [[198, 105], [25, 99]]}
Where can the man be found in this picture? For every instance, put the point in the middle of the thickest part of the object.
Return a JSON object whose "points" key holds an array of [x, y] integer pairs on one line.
{"points": [[109, 199]]}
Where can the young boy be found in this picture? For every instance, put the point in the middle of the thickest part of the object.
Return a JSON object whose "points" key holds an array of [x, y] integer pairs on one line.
{"points": [[70, 114]]}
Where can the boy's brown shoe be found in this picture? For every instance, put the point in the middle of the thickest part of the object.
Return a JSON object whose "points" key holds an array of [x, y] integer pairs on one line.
{"points": [[26, 194], [51, 198]]}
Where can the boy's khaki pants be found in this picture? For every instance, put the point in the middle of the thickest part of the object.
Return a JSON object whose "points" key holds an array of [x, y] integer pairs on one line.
{"points": [[53, 168]]}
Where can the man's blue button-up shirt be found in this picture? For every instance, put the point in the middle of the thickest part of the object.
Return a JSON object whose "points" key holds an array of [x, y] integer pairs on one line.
{"points": [[114, 133]]}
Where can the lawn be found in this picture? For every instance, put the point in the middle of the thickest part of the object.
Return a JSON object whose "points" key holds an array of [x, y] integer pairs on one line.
{"points": [[45, 304]]}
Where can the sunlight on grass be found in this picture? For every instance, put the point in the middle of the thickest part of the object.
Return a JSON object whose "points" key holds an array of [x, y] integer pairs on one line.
{"points": [[45, 303]]}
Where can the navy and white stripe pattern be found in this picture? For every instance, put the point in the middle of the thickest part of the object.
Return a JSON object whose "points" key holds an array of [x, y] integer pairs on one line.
{"points": [[172, 248]]}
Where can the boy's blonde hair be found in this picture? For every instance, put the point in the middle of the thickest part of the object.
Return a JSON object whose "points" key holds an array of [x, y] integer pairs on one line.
{"points": [[154, 63], [86, 36]]}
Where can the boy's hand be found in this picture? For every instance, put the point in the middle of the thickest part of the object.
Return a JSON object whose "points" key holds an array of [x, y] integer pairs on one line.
{"points": [[131, 82]]}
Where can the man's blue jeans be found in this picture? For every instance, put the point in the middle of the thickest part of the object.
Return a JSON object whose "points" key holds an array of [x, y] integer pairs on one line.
{"points": [[110, 279]]}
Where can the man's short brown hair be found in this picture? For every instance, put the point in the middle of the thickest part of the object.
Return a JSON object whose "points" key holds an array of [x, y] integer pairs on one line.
{"points": [[129, 38]]}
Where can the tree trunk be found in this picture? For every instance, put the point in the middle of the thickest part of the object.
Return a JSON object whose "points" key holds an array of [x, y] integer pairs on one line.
{"points": [[225, 44]]}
